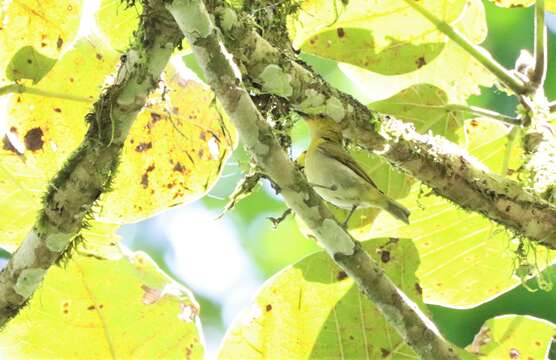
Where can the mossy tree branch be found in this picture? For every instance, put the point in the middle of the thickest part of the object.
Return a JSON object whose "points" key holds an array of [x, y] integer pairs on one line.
{"points": [[90, 169], [258, 138], [539, 144], [448, 169]]}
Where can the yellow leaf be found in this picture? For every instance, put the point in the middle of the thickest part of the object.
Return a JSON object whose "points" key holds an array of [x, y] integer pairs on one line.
{"points": [[106, 309], [47, 25], [174, 153]]}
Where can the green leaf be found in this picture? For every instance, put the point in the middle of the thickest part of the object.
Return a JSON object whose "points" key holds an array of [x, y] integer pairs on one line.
{"points": [[357, 47], [313, 310], [383, 19], [423, 105], [49, 26], [191, 62], [117, 21], [453, 70], [514, 337], [28, 63], [515, 3], [457, 247], [106, 309]]}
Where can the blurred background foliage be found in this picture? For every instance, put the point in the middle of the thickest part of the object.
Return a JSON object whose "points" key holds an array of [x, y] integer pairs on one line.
{"points": [[224, 261]]}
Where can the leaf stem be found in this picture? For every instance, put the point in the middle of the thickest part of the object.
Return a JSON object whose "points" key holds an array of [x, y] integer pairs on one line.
{"points": [[539, 74], [509, 147], [473, 110], [477, 52], [22, 89]]}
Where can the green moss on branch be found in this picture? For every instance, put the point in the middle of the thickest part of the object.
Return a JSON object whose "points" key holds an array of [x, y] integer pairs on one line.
{"points": [[90, 169]]}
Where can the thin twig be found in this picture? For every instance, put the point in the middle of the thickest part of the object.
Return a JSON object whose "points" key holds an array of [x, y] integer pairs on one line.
{"points": [[539, 74], [477, 52], [469, 110], [22, 89]]}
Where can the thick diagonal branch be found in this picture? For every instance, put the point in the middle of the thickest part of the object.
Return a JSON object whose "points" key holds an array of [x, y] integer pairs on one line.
{"points": [[440, 164], [89, 170], [259, 140]]}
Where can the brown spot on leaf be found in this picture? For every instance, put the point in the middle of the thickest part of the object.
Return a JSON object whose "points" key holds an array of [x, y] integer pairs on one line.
{"points": [[145, 176], [268, 307], [59, 43], [99, 56], [145, 180], [179, 168], [91, 307], [33, 139], [385, 352], [341, 275], [202, 135], [341, 32], [155, 117], [143, 147], [474, 123], [58, 110], [200, 153], [420, 62], [418, 288], [385, 256]]}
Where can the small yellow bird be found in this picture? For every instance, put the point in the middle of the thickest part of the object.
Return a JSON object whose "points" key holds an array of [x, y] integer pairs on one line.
{"points": [[337, 177]]}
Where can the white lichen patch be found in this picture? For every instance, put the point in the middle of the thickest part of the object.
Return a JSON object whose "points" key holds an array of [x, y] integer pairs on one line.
{"points": [[245, 119], [228, 18], [276, 81], [261, 149], [335, 109], [25, 255], [191, 18], [57, 242], [28, 281], [313, 99], [338, 242]]}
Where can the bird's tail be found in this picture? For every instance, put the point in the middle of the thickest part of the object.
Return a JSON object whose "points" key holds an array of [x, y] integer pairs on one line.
{"points": [[398, 211]]}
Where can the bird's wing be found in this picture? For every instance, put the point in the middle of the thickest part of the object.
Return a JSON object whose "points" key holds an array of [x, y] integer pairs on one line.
{"points": [[337, 152]]}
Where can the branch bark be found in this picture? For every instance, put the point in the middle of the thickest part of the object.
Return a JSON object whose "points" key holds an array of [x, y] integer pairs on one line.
{"points": [[539, 144], [89, 170], [257, 136], [449, 170]]}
